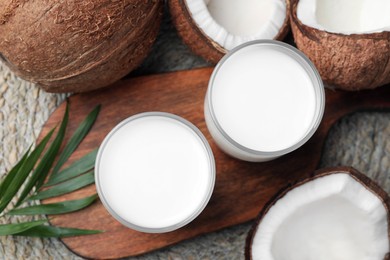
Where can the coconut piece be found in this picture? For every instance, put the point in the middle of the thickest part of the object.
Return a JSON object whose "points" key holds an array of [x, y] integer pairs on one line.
{"points": [[350, 51], [213, 27], [345, 17], [336, 214], [75, 46]]}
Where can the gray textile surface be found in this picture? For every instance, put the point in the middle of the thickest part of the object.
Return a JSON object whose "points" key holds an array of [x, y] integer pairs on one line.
{"points": [[361, 140]]}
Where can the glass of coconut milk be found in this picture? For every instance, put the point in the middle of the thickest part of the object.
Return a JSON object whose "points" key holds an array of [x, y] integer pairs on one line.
{"points": [[155, 172], [265, 99]]}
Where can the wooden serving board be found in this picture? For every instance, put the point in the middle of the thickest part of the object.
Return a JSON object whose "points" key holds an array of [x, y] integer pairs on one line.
{"points": [[241, 188]]}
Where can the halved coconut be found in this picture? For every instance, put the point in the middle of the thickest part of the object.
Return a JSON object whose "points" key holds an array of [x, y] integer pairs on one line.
{"points": [[348, 41], [336, 214], [212, 27]]}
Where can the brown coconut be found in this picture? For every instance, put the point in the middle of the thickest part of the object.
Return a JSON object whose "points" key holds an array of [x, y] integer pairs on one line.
{"points": [[349, 62], [200, 43], [77, 45], [369, 184]]}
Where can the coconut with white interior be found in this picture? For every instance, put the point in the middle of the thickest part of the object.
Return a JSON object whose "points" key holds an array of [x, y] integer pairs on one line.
{"points": [[347, 40], [213, 27], [336, 214]]}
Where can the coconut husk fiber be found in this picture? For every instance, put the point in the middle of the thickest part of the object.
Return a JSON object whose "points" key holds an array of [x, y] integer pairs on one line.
{"points": [[77, 46], [361, 140]]}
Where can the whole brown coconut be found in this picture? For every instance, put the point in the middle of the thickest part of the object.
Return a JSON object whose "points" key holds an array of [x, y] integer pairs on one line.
{"points": [[349, 62], [199, 42], [76, 45]]}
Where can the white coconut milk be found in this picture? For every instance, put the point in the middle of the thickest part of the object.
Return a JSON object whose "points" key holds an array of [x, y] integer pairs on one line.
{"points": [[264, 97], [155, 172], [244, 17]]}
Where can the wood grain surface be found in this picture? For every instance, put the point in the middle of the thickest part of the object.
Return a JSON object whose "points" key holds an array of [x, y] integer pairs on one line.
{"points": [[241, 188]]}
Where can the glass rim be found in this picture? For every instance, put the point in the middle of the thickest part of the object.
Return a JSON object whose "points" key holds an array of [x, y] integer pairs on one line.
{"points": [[318, 86], [206, 198]]}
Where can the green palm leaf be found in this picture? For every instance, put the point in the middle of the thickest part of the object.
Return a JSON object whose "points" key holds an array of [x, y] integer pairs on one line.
{"points": [[11, 229], [76, 139], [81, 166], [42, 170], [55, 208], [11, 175], [23, 173], [51, 231], [76, 176], [66, 187]]}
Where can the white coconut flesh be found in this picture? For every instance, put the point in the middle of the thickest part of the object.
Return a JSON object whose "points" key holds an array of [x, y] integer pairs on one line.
{"points": [[233, 22], [345, 16], [333, 217]]}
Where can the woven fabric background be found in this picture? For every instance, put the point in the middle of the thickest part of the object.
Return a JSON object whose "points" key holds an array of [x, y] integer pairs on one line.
{"points": [[361, 140]]}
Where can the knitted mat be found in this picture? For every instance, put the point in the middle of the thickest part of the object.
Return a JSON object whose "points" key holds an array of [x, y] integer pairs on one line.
{"points": [[361, 140]]}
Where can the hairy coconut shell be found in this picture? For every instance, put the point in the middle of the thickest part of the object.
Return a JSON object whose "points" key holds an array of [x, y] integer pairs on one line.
{"points": [[361, 178], [349, 62], [76, 45], [197, 40]]}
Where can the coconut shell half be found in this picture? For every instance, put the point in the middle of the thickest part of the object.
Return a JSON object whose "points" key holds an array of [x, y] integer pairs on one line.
{"points": [[349, 62], [77, 45], [198, 41], [282, 227]]}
